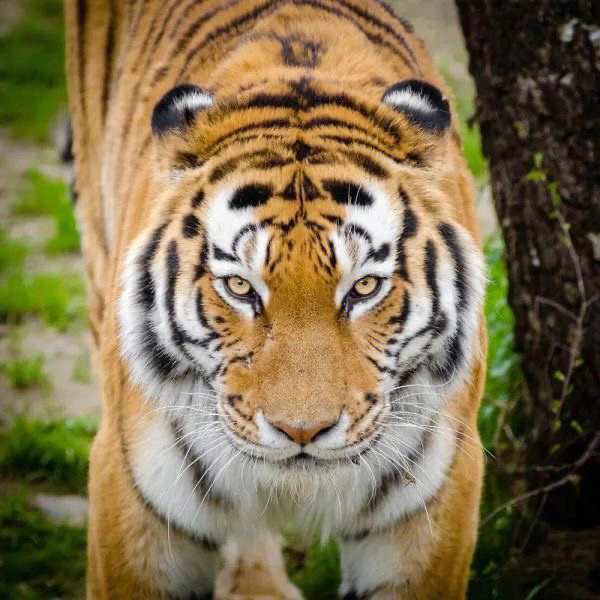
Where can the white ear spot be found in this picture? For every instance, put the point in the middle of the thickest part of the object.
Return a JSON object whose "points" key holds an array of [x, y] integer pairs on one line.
{"points": [[408, 99], [421, 102], [194, 101]]}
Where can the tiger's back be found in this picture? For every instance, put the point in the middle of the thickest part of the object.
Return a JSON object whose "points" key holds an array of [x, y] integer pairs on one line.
{"points": [[297, 88]]}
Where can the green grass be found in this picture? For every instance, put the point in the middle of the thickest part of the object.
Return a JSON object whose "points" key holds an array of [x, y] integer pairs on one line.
{"points": [[32, 79], [82, 368], [44, 196], [56, 452], [26, 372], [38, 558], [12, 253], [58, 299], [318, 576], [503, 372], [471, 137]]}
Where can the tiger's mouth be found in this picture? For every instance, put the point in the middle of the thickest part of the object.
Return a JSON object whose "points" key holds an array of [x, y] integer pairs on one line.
{"points": [[304, 460], [315, 454]]}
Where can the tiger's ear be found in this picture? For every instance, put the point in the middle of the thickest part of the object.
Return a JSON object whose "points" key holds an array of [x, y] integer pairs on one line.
{"points": [[177, 108], [421, 103]]}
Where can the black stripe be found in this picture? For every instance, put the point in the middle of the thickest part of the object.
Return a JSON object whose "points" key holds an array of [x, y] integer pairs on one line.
{"points": [[145, 293], [304, 97], [398, 476], [226, 167], [435, 321], [344, 192], [184, 38], [448, 233], [108, 60], [250, 196], [204, 541], [372, 19], [179, 337], [235, 26], [238, 236], [236, 133], [377, 39], [317, 122], [409, 229], [378, 255], [203, 479], [353, 229], [368, 164], [332, 256], [400, 318], [220, 254], [200, 269], [198, 199], [191, 226], [160, 360]]}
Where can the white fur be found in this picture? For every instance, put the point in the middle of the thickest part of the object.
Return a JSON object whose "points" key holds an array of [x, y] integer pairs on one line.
{"points": [[193, 101], [409, 99], [265, 496]]}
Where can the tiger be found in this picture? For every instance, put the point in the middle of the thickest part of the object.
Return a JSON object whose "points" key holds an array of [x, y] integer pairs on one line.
{"points": [[285, 283]]}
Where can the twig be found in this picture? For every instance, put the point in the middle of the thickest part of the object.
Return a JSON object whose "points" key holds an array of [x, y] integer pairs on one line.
{"points": [[547, 488]]}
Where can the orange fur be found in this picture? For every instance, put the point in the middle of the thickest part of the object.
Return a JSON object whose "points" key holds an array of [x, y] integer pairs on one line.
{"points": [[122, 57]]}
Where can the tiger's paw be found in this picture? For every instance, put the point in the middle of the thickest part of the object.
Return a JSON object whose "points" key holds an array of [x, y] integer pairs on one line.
{"points": [[254, 573]]}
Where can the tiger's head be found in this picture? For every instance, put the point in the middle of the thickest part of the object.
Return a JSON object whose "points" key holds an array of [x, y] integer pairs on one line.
{"points": [[303, 279]]}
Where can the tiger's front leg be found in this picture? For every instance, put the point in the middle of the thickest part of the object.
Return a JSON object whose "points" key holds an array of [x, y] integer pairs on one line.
{"points": [[253, 571], [424, 556]]}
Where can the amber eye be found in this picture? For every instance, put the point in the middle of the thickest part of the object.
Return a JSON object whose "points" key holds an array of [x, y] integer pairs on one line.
{"points": [[367, 286], [239, 287]]}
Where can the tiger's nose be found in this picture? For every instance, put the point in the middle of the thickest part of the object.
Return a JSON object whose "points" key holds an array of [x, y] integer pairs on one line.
{"points": [[304, 435]]}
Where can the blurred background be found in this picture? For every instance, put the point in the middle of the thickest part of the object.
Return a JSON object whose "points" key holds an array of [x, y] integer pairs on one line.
{"points": [[49, 399]]}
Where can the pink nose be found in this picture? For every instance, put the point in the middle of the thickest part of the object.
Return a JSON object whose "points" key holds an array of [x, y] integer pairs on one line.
{"points": [[303, 435]]}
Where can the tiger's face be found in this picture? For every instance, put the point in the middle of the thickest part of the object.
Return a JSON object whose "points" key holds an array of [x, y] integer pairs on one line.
{"points": [[301, 284]]}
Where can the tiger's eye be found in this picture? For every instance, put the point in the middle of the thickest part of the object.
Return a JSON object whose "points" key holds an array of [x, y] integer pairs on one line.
{"points": [[238, 286], [366, 286]]}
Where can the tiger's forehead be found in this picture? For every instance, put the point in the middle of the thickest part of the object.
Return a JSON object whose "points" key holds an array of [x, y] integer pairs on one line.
{"points": [[314, 222], [320, 198]]}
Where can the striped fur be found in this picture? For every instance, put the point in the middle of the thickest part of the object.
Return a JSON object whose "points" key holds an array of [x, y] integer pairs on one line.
{"points": [[299, 149]]}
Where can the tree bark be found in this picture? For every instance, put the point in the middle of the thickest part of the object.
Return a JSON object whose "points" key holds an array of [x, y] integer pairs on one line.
{"points": [[536, 66]]}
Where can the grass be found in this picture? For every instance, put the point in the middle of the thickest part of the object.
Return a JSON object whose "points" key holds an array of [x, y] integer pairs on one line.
{"points": [[318, 575], [82, 368], [58, 298], [44, 196], [503, 372], [26, 372], [32, 80], [55, 452], [471, 137], [38, 558]]}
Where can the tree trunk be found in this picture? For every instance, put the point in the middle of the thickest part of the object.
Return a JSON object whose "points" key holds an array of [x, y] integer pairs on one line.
{"points": [[536, 66]]}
